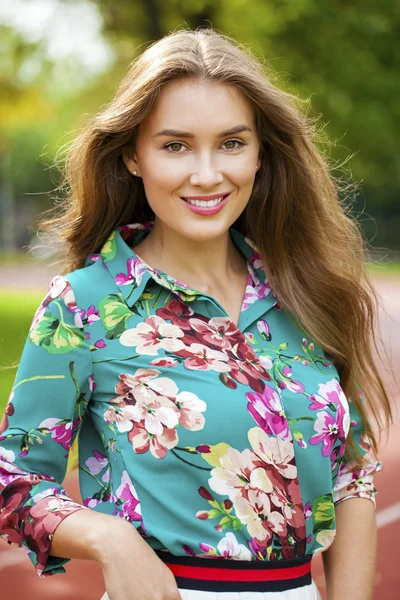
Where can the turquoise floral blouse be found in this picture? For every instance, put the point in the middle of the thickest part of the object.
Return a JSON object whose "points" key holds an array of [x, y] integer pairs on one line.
{"points": [[212, 439]]}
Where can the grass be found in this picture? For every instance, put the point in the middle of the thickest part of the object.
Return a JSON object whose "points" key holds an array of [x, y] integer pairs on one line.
{"points": [[16, 313], [384, 268]]}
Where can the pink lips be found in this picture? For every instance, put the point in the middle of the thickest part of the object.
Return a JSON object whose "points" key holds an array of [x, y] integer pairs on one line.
{"points": [[204, 210]]}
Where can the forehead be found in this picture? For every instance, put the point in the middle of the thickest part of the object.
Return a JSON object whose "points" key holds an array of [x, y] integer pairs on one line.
{"points": [[195, 105]]}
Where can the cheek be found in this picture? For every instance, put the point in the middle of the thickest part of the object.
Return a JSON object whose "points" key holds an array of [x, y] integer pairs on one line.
{"points": [[161, 177], [243, 178]]}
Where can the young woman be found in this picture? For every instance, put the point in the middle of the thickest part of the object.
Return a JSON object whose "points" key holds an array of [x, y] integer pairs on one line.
{"points": [[209, 340]]}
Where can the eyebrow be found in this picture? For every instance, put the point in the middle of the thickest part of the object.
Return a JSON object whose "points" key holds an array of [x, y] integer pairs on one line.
{"points": [[187, 134]]}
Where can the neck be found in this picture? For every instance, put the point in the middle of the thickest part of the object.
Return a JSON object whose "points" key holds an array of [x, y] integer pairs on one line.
{"points": [[188, 260]]}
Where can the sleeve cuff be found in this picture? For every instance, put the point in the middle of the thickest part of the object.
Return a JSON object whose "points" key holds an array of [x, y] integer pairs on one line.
{"points": [[356, 483], [40, 523]]}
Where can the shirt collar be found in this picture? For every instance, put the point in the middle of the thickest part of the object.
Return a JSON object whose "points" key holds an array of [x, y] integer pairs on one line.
{"points": [[131, 274]]}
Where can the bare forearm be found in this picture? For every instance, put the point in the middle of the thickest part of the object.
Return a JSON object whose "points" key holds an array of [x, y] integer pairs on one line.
{"points": [[86, 534], [350, 561]]}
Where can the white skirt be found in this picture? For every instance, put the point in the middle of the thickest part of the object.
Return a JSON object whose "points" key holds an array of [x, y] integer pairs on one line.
{"points": [[306, 592]]}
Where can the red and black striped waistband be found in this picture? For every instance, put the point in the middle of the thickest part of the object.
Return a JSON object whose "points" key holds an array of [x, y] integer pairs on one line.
{"points": [[223, 575]]}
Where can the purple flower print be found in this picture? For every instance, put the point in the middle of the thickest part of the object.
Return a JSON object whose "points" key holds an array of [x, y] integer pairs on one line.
{"points": [[264, 330], [126, 497], [307, 510], [254, 291], [61, 431], [329, 429], [88, 316], [92, 383], [100, 344], [267, 410], [96, 463], [135, 270]]}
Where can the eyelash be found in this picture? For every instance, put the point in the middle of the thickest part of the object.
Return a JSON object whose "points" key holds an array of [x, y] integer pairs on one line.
{"points": [[166, 146]]}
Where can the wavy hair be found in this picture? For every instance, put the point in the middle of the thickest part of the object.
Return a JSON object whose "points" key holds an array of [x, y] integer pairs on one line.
{"points": [[298, 215]]}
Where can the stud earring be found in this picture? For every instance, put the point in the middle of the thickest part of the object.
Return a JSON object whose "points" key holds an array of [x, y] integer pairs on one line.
{"points": [[135, 172]]}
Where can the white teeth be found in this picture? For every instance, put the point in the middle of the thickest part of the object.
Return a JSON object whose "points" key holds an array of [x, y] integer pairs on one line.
{"points": [[205, 203]]}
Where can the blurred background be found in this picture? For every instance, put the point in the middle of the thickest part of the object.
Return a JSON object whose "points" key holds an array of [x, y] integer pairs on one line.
{"points": [[61, 60]]}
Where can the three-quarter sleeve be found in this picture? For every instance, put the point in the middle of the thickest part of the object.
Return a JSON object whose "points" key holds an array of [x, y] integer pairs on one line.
{"points": [[43, 415], [353, 482]]}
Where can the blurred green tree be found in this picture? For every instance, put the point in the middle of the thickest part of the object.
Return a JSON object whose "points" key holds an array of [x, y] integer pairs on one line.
{"points": [[343, 56]]}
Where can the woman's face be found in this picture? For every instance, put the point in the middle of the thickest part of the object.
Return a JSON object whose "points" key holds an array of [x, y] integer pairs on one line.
{"points": [[197, 153]]}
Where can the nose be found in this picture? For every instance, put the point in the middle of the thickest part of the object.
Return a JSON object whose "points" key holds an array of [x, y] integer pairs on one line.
{"points": [[206, 172]]}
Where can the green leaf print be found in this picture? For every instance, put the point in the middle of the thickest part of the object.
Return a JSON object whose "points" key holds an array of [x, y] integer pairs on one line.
{"points": [[56, 336], [114, 314], [323, 513], [110, 248]]}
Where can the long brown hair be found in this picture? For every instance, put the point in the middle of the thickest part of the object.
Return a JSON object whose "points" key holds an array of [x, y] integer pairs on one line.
{"points": [[298, 215]]}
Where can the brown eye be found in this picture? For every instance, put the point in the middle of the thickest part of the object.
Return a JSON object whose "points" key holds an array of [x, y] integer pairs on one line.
{"points": [[172, 147], [233, 142]]}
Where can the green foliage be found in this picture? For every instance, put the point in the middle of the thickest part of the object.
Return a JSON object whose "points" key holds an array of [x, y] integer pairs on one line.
{"points": [[341, 56], [16, 314]]}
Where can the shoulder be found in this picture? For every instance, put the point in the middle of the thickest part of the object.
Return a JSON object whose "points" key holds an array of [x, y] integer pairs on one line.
{"points": [[86, 283]]}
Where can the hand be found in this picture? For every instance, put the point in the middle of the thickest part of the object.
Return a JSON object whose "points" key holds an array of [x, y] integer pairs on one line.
{"points": [[133, 571]]}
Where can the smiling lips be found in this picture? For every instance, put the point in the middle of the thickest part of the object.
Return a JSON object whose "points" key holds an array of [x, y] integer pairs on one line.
{"points": [[206, 205]]}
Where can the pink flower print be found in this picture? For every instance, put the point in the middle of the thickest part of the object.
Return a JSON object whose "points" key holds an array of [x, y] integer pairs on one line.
{"points": [[292, 510], [100, 344], [92, 384], [165, 361], [261, 521], [266, 362], [135, 270], [91, 315], [308, 510], [69, 298], [43, 519], [259, 550], [156, 414], [268, 412], [245, 367], [295, 386], [142, 441], [200, 357], [253, 293], [328, 432], [250, 338], [191, 407], [255, 258], [264, 330], [330, 395], [127, 498], [61, 431], [145, 385], [239, 472], [122, 416], [9, 471], [277, 452], [97, 462], [177, 312], [219, 331], [150, 407], [152, 335], [228, 548]]}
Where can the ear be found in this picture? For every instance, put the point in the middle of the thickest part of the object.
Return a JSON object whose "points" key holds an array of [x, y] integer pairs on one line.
{"points": [[130, 162]]}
